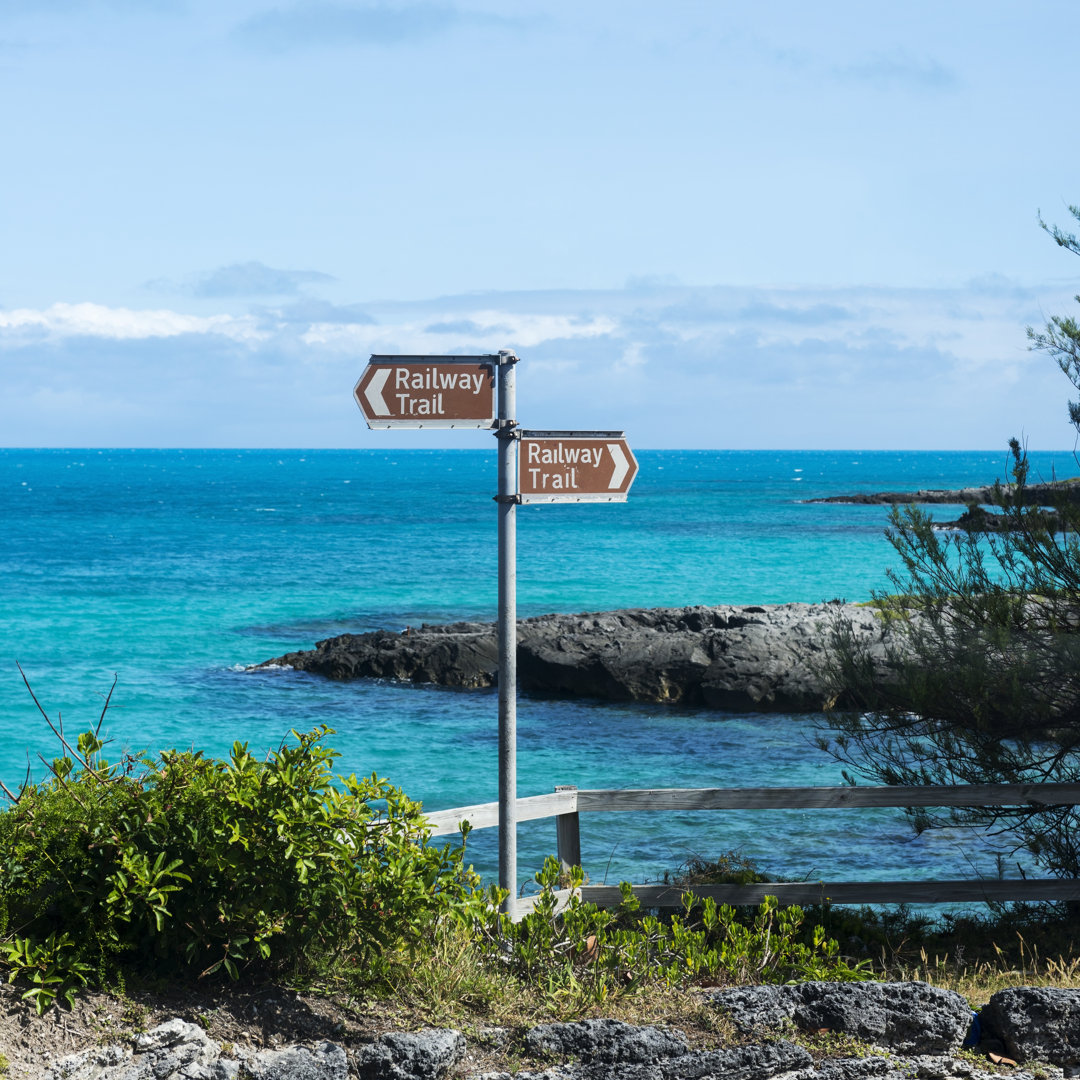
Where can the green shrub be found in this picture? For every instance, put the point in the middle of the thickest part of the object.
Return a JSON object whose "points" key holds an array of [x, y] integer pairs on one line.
{"points": [[50, 974], [186, 864], [182, 865], [587, 954]]}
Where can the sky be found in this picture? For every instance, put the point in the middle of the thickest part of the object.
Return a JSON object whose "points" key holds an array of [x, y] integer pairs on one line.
{"points": [[711, 224]]}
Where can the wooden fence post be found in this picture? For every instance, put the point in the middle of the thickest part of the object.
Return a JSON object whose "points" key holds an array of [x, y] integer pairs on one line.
{"points": [[567, 835]]}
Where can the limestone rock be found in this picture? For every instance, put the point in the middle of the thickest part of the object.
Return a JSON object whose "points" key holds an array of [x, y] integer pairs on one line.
{"points": [[605, 1040], [756, 1008], [322, 1062], [98, 1061], [174, 1049], [919, 1067], [418, 1055], [1035, 1023], [757, 1062], [866, 1068], [171, 1033], [907, 1017], [776, 1059]]}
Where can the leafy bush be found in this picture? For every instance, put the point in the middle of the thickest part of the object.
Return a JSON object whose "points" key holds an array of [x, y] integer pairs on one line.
{"points": [[587, 954], [186, 864], [182, 865]]}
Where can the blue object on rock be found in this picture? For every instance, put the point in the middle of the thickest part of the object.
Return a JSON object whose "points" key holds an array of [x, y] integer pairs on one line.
{"points": [[974, 1035]]}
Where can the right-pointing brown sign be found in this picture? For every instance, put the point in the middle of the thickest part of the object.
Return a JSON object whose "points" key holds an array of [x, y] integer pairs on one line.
{"points": [[574, 466]]}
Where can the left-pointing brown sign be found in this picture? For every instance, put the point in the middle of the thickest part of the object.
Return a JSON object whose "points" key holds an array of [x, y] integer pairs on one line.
{"points": [[428, 391]]}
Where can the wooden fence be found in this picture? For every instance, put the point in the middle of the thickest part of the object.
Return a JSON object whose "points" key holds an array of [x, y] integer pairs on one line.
{"points": [[567, 803]]}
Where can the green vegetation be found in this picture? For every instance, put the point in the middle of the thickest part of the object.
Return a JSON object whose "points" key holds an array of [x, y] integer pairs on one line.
{"points": [[589, 955], [1060, 338], [981, 680], [184, 867]]}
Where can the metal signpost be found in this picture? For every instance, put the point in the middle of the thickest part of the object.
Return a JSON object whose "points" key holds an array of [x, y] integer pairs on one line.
{"points": [[534, 467], [507, 499]]}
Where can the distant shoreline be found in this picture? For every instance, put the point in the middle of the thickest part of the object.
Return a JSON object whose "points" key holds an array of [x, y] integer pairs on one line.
{"points": [[1034, 495]]}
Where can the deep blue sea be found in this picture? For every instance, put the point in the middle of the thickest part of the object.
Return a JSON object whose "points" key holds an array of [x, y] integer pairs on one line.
{"points": [[175, 570]]}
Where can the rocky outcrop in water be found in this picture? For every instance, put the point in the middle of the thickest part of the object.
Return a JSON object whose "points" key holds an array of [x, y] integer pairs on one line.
{"points": [[978, 519], [726, 657], [1067, 491]]}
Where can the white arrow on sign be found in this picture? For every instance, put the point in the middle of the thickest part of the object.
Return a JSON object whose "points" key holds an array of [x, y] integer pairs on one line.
{"points": [[374, 389], [622, 465]]}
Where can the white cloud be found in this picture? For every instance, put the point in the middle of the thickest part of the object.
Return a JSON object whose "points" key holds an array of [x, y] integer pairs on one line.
{"points": [[736, 367], [487, 330], [623, 330], [122, 324]]}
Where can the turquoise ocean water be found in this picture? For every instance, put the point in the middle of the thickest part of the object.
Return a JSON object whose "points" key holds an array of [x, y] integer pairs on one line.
{"points": [[177, 569]]}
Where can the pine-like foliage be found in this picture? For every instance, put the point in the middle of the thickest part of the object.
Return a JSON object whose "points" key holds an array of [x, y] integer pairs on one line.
{"points": [[979, 681]]}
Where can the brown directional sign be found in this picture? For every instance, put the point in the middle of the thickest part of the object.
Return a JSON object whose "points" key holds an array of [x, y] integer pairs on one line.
{"points": [[428, 392], [574, 466]]}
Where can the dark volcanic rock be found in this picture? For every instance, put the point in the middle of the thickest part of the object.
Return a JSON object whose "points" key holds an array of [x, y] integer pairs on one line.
{"points": [[1035, 1023], [458, 654], [914, 1029], [721, 657], [908, 1017], [323, 1062], [775, 1059], [610, 1041], [413, 1055]]}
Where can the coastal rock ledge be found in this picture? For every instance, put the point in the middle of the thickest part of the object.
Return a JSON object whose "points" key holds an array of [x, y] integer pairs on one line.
{"points": [[754, 657], [908, 1031]]}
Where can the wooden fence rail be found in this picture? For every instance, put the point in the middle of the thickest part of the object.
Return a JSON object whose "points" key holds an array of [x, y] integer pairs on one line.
{"points": [[567, 803]]}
